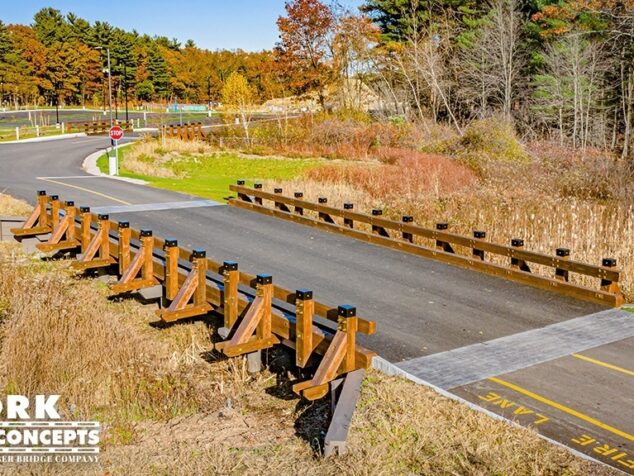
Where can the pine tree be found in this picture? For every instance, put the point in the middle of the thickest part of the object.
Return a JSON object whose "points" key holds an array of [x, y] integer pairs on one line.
{"points": [[157, 69]]}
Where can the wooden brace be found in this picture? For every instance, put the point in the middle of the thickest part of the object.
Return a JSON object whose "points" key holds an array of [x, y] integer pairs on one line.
{"points": [[97, 253], [63, 236], [38, 222], [143, 262]]}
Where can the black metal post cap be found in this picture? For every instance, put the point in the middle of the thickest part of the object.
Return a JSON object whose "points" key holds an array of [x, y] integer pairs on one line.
{"points": [[257, 185], [322, 200], [70, 203], [84, 209], [304, 294], [54, 197], [230, 266], [171, 243], [479, 234], [264, 279], [517, 242], [41, 193], [407, 219], [562, 252], [377, 212], [609, 262], [346, 310], [278, 190], [442, 226], [145, 233], [199, 253], [240, 182], [348, 206], [103, 216], [124, 224], [299, 194]]}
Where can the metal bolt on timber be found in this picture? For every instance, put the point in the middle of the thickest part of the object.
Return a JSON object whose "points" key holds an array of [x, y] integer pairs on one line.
{"points": [[479, 235], [563, 254]]}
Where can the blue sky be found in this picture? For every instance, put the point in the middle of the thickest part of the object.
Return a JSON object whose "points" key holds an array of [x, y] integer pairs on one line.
{"points": [[212, 24]]}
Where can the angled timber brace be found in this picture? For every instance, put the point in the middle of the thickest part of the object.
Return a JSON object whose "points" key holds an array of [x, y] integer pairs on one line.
{"points": [[63, 237], [38, 223], [257, 319], [338, 359], [194, 287], [97, 253], [143, 262]]}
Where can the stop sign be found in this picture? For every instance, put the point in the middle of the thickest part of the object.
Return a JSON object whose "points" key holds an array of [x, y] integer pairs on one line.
{"points": [[116, 133]]}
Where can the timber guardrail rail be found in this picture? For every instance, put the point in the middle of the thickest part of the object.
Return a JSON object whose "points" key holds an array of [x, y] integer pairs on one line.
{"points": [[440, 244], [256, 313], [189, 131], [96, 127]]}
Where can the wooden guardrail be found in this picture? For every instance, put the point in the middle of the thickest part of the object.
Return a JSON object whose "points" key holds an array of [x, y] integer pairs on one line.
{"points": [[257, 314], [411, 238], [190, 131], [96, 127]]}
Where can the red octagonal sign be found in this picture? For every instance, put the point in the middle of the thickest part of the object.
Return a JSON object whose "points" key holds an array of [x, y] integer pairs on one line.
{"points": [[116, 133]]}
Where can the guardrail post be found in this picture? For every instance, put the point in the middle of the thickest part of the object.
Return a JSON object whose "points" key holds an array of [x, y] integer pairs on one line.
{"points": [[231, 277], [440, 244], [479, 235], [264, 289], [348, 323], [408, 236], [349, 222], [518, 263], [55, 210], [377, 229], [124, 246], [104, 226], [71, 213], [258, 186], [42, 201], [199, 260], [299, 210], [322, 215], [86, 219], [564, 254], [279, 205], [305, 307], [606, 284], [147, 245], [243, 196], [171, 268]]}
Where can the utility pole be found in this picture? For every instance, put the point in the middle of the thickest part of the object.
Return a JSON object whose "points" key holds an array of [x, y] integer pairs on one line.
{"points": [[109, 82], [125, 88]]}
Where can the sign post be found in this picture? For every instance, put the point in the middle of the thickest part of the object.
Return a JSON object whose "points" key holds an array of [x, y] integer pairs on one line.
{"points": [[116, 134]]}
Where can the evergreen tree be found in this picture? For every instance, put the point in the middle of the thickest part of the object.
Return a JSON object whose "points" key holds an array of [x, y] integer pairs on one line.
{"points": [[158, 73], [51, 26]]}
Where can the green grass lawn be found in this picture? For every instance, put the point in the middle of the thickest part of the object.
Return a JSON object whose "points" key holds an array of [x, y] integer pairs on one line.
{"points": [[210, 176]]}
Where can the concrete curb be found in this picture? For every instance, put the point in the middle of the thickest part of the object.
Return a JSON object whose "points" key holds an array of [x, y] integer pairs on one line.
{"points": [[388, 368], [46, 138], [89, 165]]}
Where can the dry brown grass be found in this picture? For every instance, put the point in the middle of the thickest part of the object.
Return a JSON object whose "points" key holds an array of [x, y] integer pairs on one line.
{"points": [[13, 207], [169, 409]]}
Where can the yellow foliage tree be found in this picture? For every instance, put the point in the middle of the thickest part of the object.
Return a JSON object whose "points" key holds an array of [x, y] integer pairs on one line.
{"points": [[238, 96]]}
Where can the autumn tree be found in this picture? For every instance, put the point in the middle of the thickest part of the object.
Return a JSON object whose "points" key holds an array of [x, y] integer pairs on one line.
{"points": [[237, 96], [305, 46]]}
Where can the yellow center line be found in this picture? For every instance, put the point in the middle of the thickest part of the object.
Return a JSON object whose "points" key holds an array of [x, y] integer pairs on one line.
{"points": [[563, 408], [604, 364], [109, 197]]}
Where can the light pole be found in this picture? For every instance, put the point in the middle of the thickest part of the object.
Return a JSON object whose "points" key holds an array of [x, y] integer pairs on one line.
{"points": [[109, 82]]}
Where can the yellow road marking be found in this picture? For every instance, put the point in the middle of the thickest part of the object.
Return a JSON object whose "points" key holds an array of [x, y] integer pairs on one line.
{"points": [[563, 408], [109, 197], [604, 364]]}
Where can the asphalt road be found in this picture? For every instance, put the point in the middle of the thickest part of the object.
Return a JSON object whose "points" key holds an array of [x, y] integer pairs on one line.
{"points": [[421, 307]]}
